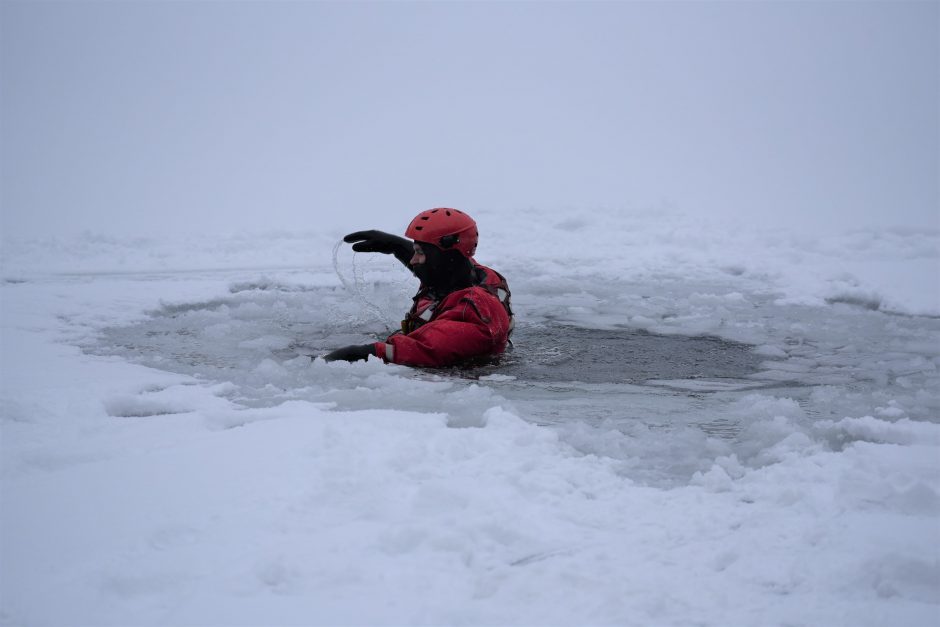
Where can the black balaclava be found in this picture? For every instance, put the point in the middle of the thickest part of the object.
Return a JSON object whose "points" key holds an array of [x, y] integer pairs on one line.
{"points": [[443, 271]]}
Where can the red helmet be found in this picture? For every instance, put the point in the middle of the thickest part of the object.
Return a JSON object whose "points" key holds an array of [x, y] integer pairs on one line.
{"points": [[445, 228]]}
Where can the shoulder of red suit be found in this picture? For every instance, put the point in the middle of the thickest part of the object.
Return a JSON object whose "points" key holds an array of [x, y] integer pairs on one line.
{"points": [[476, 292]]}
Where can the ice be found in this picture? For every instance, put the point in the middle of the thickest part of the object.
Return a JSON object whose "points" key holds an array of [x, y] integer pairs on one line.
{"points": [[697, 424]]}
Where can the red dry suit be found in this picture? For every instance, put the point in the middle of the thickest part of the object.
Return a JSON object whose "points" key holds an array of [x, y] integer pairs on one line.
{"points": [[469, 323]]}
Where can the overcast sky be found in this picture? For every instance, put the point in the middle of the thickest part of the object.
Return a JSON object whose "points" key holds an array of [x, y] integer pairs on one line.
{"points": [[134, 117]]}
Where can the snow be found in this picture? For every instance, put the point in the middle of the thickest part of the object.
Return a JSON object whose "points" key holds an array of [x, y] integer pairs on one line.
{"points": [[171, 455]]}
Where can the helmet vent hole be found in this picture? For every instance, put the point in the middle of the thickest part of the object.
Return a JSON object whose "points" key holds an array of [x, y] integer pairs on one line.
{"points": [[419, 228], [447, 212], [425, 218], [434, 211]]}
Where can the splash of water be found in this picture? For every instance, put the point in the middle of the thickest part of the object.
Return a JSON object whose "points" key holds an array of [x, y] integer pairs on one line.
{"points": [[355, 287]]}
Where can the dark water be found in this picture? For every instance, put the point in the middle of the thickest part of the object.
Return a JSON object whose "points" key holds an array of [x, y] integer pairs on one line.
{"points": [[565, 353]]}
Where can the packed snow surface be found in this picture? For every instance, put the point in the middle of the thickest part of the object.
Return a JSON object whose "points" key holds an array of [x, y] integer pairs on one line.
{"points": [[699, 424]]}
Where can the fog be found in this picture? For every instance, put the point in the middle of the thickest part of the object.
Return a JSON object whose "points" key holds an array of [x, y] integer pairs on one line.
{"points": [[175, 117]]}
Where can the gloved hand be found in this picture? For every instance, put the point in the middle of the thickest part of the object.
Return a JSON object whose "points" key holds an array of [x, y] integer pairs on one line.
{"points": [[381, 242], [351, 353]]}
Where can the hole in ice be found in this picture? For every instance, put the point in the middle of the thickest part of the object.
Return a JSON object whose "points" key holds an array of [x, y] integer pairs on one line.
{"points": [[247, 336]]}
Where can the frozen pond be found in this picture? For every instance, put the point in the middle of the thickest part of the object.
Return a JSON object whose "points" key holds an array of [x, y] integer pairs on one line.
{"points": [[666, 402], [693, 432]]}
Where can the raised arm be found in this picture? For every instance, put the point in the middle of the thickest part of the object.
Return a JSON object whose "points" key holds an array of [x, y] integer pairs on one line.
{"points": [[373, 241]]}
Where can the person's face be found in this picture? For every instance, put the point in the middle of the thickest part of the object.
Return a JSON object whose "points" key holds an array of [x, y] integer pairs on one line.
{"points": [[437, 268], [418, 258]]}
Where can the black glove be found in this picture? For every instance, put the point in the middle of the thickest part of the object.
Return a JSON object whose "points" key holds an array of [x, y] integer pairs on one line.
{"points": [[351, 353], [381, 242]]}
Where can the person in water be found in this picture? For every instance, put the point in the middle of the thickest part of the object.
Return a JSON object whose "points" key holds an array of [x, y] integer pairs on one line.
{"points": [[462, 309]]}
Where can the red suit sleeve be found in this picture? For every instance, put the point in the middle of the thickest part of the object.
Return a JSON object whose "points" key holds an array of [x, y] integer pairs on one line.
{"points": [[470, 323]]}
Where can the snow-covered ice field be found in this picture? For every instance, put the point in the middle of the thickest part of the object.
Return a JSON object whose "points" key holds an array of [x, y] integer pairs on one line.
{"points": [[754, 437]]}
